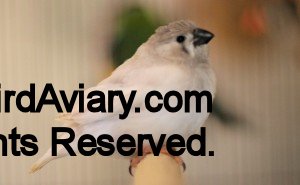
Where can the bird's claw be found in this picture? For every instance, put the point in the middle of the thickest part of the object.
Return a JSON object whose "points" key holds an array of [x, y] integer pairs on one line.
{"points": [[130, 170], [183, 166]]}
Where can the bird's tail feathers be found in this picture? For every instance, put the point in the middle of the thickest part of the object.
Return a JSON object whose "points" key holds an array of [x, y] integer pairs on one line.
{"points": [[61, 151], [42, 162]]}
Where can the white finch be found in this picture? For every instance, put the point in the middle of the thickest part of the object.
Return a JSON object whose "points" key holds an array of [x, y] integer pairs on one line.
{"points": [[174, 58]]}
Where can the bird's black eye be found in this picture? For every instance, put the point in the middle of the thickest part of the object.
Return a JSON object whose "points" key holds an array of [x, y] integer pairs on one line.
{"points": [[180, 38]]}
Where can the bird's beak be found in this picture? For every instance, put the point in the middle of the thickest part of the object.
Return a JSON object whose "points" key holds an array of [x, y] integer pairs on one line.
{"points": [[201, 37]]}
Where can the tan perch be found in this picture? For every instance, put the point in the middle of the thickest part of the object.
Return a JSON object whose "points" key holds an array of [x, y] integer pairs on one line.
{"points": [[158, 170]]}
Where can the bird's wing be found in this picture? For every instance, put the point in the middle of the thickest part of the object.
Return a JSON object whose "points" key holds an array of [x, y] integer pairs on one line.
{"points": [[87, 117], [126, 78]]}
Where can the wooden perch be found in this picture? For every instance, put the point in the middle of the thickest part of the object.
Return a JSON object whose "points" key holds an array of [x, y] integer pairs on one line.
{"points": [[158, 170]]}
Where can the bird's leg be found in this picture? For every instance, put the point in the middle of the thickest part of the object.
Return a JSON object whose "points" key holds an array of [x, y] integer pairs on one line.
{"points": [[147, 150]]}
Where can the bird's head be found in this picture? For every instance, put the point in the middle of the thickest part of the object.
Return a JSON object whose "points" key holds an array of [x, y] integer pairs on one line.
{"points": [[180, 40]]}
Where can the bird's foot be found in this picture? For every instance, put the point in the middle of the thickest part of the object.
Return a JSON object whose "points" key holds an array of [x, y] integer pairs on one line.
{"points": [[147, 150]]}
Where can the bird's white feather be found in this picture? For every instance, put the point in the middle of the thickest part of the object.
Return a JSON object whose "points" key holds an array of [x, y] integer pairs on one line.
{"points": [[158, 64]]}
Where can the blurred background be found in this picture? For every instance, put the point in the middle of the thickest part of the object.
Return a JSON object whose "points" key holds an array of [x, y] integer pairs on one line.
{"points": [[255, 126]]}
